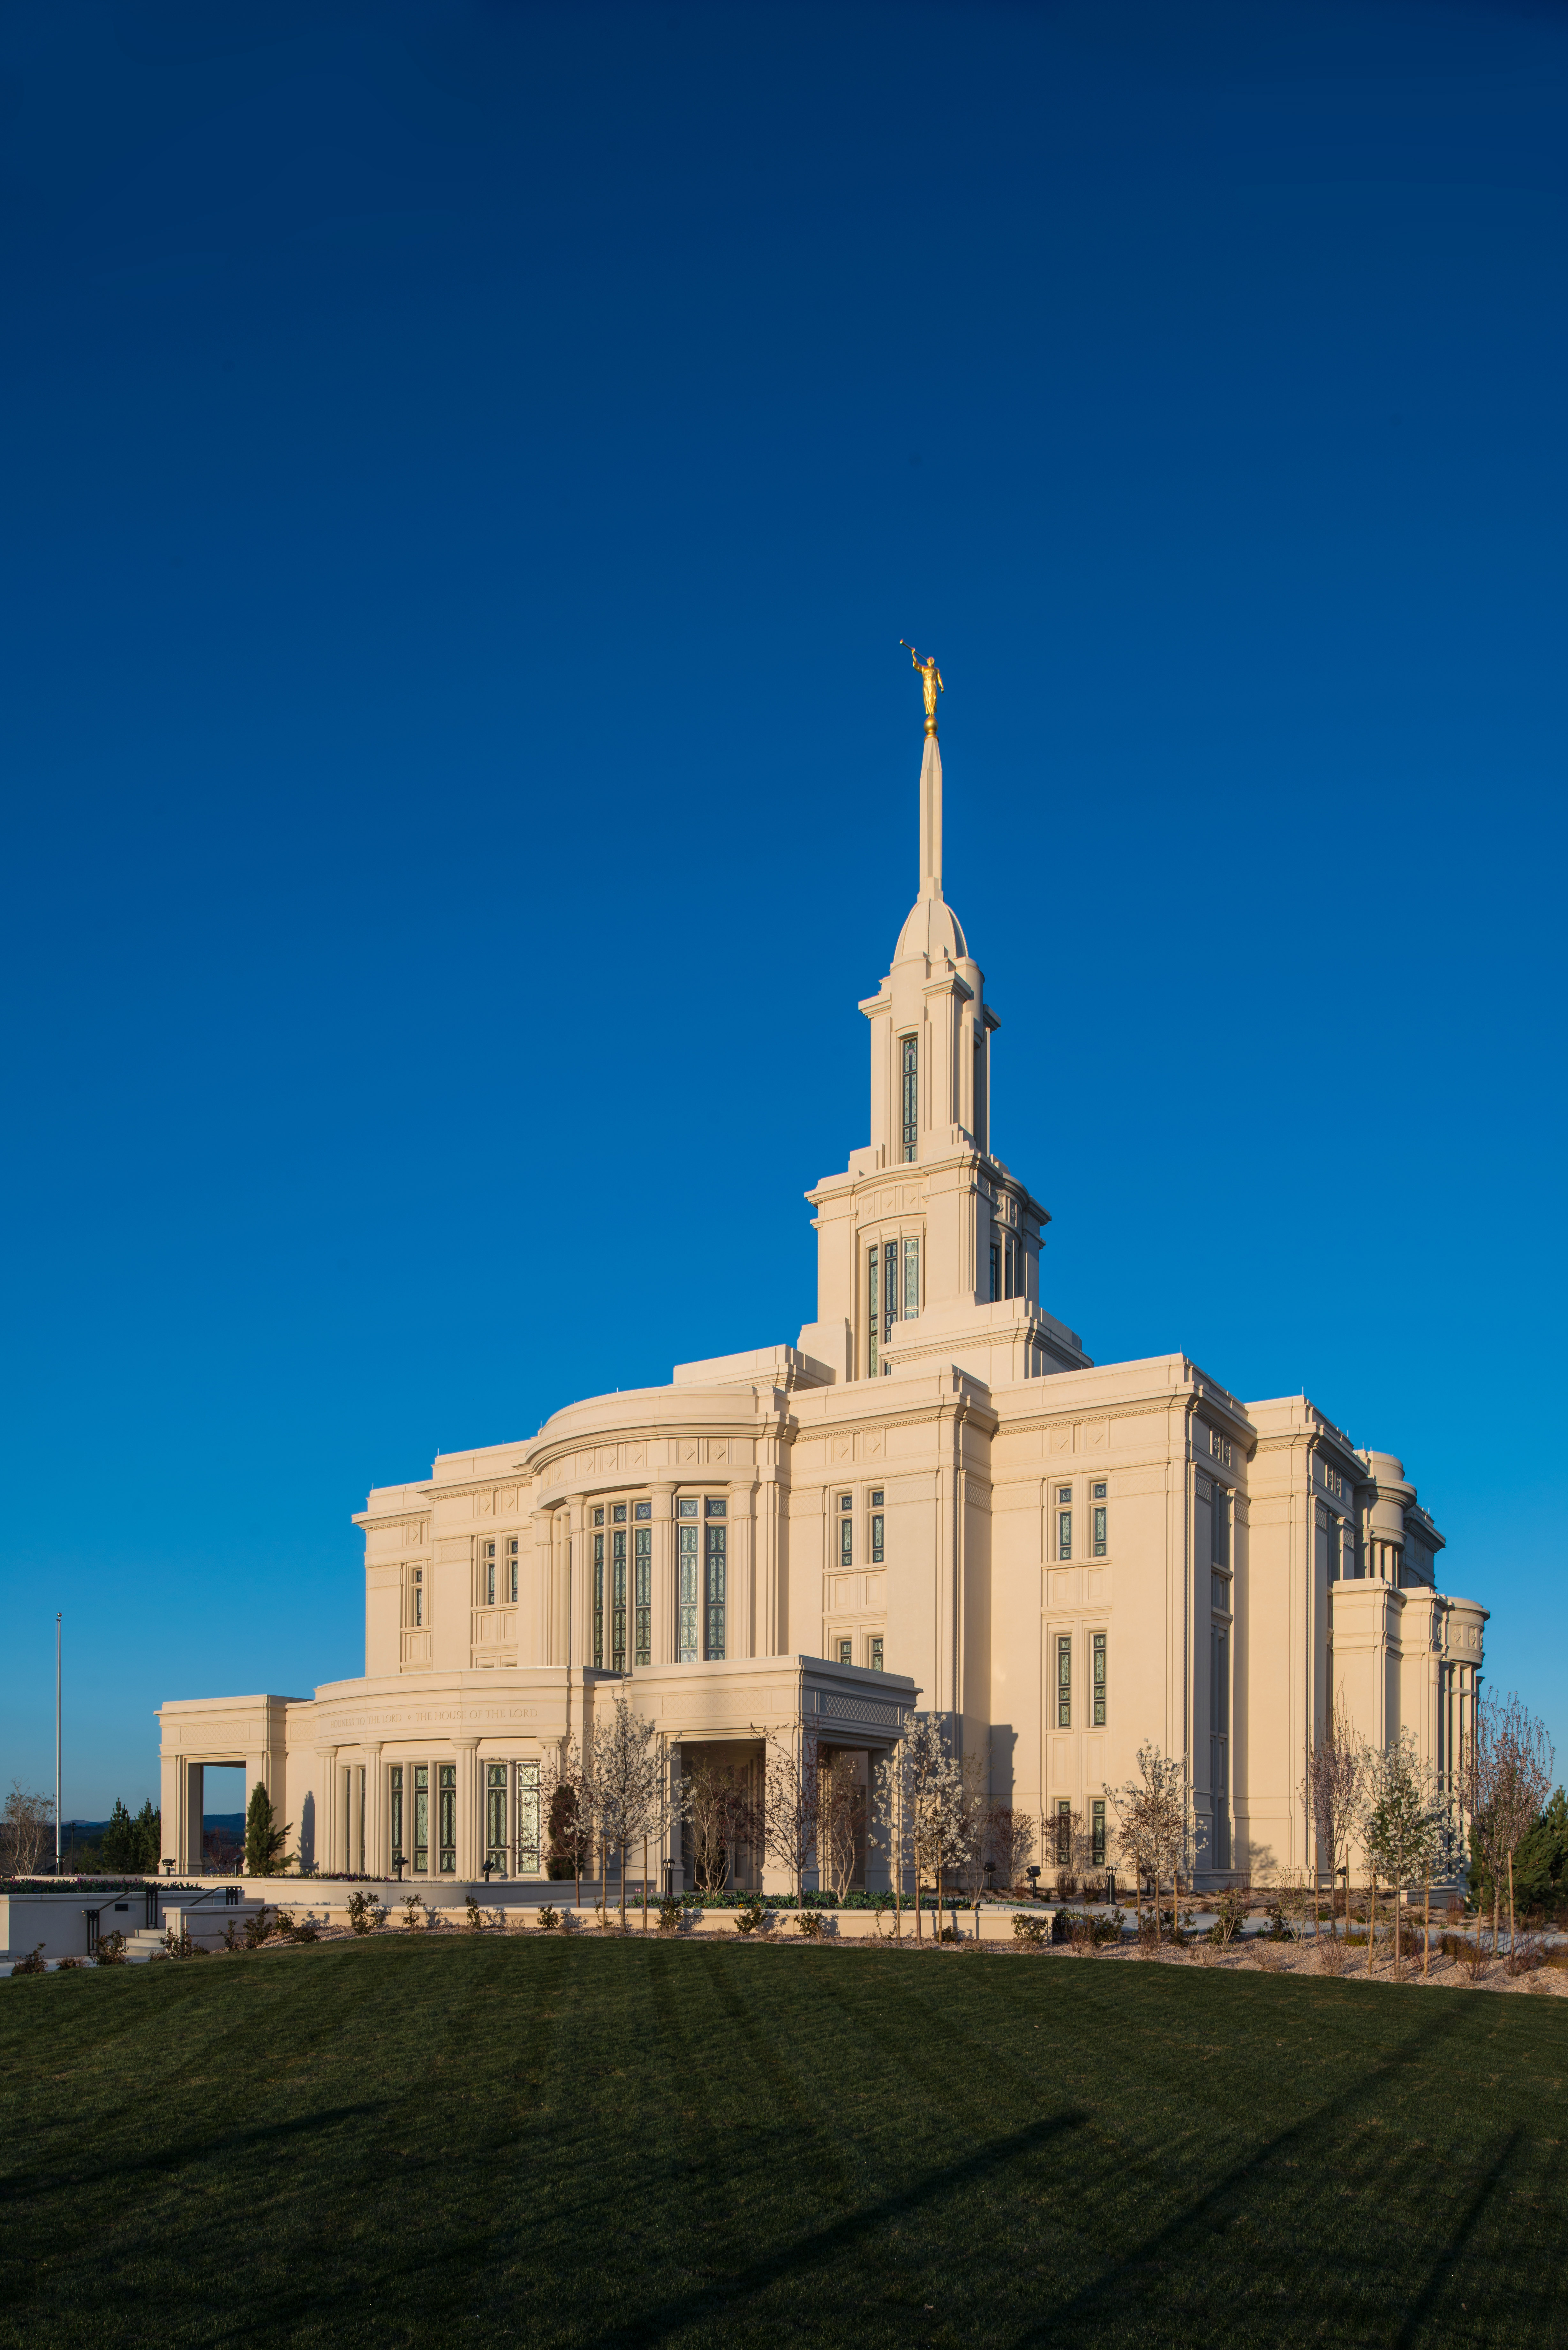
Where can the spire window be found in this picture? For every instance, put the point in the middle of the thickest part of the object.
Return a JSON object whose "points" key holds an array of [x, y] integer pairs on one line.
{"points": [[892, 1293], [688, 1539], [909, 1073]]}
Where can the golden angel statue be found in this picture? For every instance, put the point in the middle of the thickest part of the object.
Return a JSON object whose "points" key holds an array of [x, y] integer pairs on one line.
{"points": [[930, 683]]}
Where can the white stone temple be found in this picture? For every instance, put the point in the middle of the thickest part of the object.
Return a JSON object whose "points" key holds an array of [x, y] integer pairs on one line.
{"points": [[932, 1499]]}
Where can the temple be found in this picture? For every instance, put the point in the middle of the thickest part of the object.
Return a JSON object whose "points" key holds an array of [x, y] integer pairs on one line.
{"points": [[932, 1500]]}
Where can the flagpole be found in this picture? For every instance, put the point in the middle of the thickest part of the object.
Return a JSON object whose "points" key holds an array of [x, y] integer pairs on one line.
{"points": [[56, 1743]]}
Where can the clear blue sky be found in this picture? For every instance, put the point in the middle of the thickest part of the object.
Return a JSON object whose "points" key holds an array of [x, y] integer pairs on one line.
{"points": [[467, 469]]}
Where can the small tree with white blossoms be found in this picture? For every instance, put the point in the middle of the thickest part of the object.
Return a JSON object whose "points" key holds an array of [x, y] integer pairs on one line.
{"points": [[634, 1797], [1404, 1827], [1156, 1825], [789, 1810]]}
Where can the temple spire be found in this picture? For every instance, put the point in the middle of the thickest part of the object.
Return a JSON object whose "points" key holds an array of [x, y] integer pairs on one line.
{"points": [[931, 684], [931, 817]]}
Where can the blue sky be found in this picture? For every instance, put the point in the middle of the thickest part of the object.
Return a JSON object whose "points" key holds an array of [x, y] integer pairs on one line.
{"points": [[468, 469]]}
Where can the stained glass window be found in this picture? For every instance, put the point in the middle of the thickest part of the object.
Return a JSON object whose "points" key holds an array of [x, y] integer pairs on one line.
{"points": [[877, 1523], [877, 1654], [1098, 1669], [912, 1279], [397, 1852], [846, 1652], [421, 1817], [527, 1819], [487, 1579], [448, 1817], [1099, 1529], [495, 1841], [1063, 1534], [910, 1056], [416, 1596], [511, 1568], [687, 1603], [1098, 1833], [713, 1645], [1064, 1682], [642, 1555], [618, 1599], [599, 1594], [873, 1310], [845, 1542]]}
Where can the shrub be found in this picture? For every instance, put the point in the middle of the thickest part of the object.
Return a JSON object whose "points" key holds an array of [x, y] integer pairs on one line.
{"points": [[110, 1951], [475, 1916], [750, 1916], [307, 1930], [366, 1914], [1278, 1928], [33, 1964], [1230, 1919], [670, 1915], [257, 1927], [1029, 1930], [285, 1922], [809, 1924], [549, 1920], [413, 1910], [1078, 1926], [180, 1945], [71, 1964]]}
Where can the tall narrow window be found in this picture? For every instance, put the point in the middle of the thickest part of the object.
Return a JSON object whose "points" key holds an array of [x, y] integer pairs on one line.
{"points": [[889, 1289], [487, 1574], [687, 1547], [1098, 1833], [1331, 1547], [527, 1819], [980, 1135], [642, 1561], [1097, 1690], [496, 1850], [618, 1599], [911, 1280], [416, 1596], [1064, 1522], [873, 1310], [847, 1530], [1064, 1831], [1064, 1681], [716, 1593], [512, 1569], [909, 1049], [397, 1853], [1099, 1520], [600, 1598], [448, 1792], [995, 1272], [421, 1818], [1219, 1527], [876, 1653], [846, 1652], [877, 1524]]}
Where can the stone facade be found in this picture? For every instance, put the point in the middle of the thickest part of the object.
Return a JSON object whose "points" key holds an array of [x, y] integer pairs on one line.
{"points": [[934, 1499]]}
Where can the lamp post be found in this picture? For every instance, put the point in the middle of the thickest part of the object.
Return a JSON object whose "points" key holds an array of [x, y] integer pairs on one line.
{"points": [[1033, 1874], [400, 1864]]}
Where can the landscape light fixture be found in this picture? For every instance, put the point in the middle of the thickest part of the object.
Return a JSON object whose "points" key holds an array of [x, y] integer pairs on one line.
{"points": [[400, 1864]]}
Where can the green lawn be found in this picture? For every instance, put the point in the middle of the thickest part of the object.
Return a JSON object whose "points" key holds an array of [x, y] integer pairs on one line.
{"points": [[545, 2142]]}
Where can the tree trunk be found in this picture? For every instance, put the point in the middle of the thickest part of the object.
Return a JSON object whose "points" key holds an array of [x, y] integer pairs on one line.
{"points": [[1371, 1922], [1427, 1926], [1496, 1895], [645, 1884], [1511, 1909]]}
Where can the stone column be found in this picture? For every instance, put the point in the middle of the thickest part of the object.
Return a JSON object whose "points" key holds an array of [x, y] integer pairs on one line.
{"points": [[376, 1861], [469, 1824], [328, 1803], [666, 1599]]}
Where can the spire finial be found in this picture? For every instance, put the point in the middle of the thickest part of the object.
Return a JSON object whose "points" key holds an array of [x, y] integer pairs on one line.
{"points": [[930, 683]]}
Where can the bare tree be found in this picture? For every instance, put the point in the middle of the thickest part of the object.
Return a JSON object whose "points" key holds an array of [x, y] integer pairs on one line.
{"points": [[1332, 1793], [1505, 1775], [1156, 1825], [790, 1808], [717, 1807], [629, 1778], [841, 1822], [26, 1828], [1009, 1841], [1521, 1781], [572, 1777]]}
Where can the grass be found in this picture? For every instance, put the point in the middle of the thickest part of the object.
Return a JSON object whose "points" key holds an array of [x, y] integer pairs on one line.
{"points": [[554, 2142]]}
